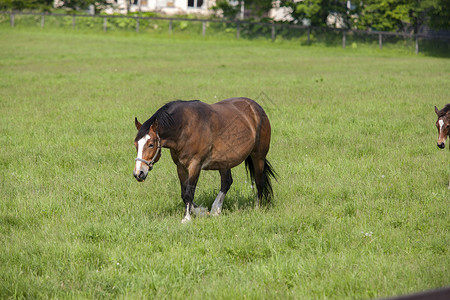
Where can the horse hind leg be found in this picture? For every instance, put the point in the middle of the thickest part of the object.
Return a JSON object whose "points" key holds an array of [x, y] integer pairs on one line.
{"points": [[225, 182]]}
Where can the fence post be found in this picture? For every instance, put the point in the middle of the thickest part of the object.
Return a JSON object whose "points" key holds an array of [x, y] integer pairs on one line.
{"points": [[343, 39], [170, 26], [273, 33], [309, 33], [104, 24], [42, 21], [238, 30], [73, 21], [417, 44], [12, 19], [380, 40], [137, 24], [204, 28]]}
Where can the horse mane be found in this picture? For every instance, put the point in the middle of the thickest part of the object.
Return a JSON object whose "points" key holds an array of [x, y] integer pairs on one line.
{"points": [[165, 119], [444, 111]]}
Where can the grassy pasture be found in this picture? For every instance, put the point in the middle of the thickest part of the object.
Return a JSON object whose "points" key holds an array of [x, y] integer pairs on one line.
{"points": [[361, 207]]}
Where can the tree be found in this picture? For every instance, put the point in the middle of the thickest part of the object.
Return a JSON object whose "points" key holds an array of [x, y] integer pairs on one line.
{"points": [[313, 11], [316, 12], [383, 15], [404, 15], [44, 5], [84, 4], [253, 8], [47, 5], [229, 11], [257, 8], [440, 15]]}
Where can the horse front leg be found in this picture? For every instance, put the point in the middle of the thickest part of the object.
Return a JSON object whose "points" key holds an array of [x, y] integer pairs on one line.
{"points": [[188, 198], [188, 191]]}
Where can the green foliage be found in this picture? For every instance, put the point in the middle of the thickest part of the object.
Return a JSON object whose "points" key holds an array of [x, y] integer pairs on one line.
{"points": [[383, 15], [257, 8], [47, 5], [404, 15], [315, 12], [84, 4], [440, 15], [229, 11], [19, 5], [393, 15], [360, 208], [254, 9]]}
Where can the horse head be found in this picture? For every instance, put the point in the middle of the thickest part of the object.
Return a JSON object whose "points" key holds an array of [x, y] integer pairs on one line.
{"points": [[443, 125], [148, 147]]}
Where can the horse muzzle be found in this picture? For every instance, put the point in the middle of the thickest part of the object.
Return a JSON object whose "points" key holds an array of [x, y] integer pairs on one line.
{"points": [[140, 175], [441, 145]]}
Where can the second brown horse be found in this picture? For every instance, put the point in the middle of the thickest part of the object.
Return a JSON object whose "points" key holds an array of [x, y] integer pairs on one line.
{"points": [[201, 136]]}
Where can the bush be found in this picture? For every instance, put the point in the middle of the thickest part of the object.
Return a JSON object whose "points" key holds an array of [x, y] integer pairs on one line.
{"points": [[20, 5]]}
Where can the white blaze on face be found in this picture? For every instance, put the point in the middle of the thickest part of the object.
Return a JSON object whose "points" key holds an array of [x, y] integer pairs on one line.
{"points": [[141, 144], [441, 124], [442, 138]]}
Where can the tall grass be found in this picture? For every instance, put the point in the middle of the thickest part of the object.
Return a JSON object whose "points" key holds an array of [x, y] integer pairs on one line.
{"points": [[360, 208]]}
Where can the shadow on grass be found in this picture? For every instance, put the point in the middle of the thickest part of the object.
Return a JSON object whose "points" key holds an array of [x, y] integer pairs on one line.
{"points": [[234, 201]]}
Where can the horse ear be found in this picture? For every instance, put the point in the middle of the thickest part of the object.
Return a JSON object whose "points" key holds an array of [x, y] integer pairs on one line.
{"points": [[136, 122], [436, 110]]}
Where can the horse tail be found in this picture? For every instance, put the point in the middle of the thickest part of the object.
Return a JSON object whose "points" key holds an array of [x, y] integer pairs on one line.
{"points": [[265, 192], [268, 174], [250, 168]]}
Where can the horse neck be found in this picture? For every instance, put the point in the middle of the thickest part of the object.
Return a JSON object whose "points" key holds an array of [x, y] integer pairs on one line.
{"points": [[168, 138]]}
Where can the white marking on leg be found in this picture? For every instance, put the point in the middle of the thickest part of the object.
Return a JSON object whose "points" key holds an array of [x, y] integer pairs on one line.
{"points": [[141, 144], [216, 207], [186, 219]]}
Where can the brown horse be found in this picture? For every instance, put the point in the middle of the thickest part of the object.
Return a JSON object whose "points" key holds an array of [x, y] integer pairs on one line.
{"points": [[443, 125], [201, 136]]}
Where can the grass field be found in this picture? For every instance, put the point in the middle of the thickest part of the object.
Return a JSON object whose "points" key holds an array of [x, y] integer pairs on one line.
{"points": [[361, 207]]}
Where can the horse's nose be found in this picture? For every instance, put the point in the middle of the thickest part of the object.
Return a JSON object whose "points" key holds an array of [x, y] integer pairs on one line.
{"points": [[139, 176], [441, 145]]}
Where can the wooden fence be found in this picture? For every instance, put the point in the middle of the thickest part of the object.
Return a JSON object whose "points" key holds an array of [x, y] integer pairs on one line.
{"points": [[238, 24]]}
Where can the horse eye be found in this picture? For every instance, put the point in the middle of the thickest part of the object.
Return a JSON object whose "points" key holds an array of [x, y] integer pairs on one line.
{"points": [[151, 145]]}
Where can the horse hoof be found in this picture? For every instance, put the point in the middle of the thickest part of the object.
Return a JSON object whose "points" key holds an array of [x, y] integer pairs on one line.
{"points": [[186, 220], [215, 212]]}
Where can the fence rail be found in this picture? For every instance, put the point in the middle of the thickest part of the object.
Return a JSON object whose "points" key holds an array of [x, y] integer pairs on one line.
{"points": [[238, 24]]}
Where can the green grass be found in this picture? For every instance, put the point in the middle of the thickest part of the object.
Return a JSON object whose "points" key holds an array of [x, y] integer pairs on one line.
{"points": [[227, 31], [361, 207]]}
